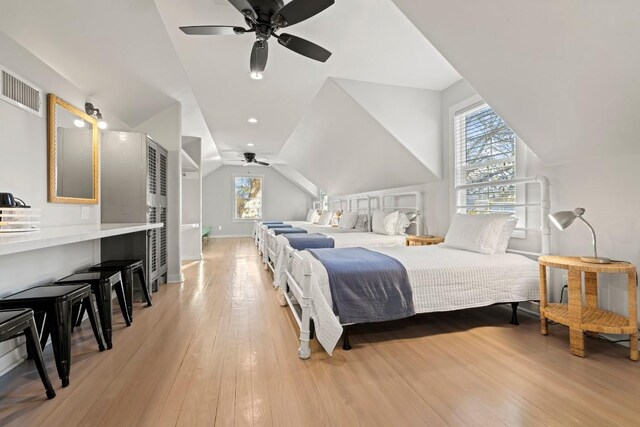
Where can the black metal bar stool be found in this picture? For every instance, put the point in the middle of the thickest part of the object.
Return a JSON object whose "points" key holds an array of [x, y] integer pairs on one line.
{"points": [[101, 284], [128, 269], [21, 322], [57, 302]]}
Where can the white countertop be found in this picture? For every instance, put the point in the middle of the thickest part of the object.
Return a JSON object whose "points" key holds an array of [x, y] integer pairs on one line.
{"points": [[46, 237], [190, 226]]}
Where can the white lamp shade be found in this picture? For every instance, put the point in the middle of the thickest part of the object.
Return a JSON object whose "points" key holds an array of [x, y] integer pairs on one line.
{"points": [[563, 219]]}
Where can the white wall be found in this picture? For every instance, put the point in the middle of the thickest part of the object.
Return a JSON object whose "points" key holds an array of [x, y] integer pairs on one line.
{"points": [[165, 128], [23, 150], [343, 148], [282, 200], [192, 202], [411, 115]]}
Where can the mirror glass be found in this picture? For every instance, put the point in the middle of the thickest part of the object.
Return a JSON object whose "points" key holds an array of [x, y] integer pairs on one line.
{"points": [[72, 154]]}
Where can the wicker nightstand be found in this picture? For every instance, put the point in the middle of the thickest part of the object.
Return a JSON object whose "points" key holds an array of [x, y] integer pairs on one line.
{"points": [[588, 317], [423, 240]]}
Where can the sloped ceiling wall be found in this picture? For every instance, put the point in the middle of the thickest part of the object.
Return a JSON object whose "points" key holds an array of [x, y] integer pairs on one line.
{"points": [[341, 147], [297, 178], [411, 115], [563, 74]]}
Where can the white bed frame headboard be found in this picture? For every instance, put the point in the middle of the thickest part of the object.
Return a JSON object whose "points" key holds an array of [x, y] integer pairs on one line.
{"points": [[417, 207], [544, 206]]}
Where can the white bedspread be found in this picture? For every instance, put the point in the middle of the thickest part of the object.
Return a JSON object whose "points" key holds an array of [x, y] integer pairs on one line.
{"points": [[348, 238], [442, 279]]}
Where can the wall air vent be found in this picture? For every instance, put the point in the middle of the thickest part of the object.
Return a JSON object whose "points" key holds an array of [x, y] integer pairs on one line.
{"points": [[17, 91]]}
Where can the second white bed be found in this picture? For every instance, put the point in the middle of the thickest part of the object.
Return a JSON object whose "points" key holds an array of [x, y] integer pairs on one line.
{"points": [[342, 239]]}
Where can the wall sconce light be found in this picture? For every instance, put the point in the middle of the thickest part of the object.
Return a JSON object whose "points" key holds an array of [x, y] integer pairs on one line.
{"points": [[95, 112]]}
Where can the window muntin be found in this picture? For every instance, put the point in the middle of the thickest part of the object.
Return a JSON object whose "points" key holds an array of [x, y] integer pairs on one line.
{"points": [[248, 197], [485, 152]]}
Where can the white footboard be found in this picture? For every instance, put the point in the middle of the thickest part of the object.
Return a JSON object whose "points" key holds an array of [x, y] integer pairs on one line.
{"points": [[298, 295]]}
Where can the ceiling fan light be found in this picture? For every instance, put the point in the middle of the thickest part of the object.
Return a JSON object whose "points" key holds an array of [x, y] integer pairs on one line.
{"points": [[255, 75]]}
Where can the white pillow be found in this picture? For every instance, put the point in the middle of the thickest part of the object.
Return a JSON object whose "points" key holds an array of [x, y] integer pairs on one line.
{"points": [[505, 235], [325, 218], [403, 223], [348, 220], [310, 215], [362, 223], [377, 222], [391, 223], [315, 217], [476, 233]]}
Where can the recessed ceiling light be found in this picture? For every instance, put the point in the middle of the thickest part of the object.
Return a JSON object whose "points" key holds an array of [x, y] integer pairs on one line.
{"points": [[256, 76], [250, 144], [252, 120]]}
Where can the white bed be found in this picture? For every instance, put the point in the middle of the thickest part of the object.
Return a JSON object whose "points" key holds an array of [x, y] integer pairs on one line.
{"points": [[272, 246], [441, 279], [342, 239]]}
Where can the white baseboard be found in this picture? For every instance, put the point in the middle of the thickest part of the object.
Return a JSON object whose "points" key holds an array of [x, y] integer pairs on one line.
{"points": [[175, 278], [192, 258], [13, 358]]}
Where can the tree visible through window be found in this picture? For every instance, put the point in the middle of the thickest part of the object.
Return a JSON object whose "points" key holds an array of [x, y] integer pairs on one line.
{"points": [[248, 195], [486, 152]]}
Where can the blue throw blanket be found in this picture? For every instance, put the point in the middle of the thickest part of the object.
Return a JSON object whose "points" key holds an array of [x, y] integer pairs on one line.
{"points": [[366, 286], [272, 222], [279, 231], [271, 226], [310, 241]]}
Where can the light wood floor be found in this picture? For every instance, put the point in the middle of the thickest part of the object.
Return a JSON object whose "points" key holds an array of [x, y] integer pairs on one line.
{"points": [[219, 350]]}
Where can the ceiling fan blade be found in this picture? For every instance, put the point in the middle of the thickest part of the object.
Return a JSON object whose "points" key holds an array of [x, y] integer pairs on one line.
{"points": [[261, 163], [259, 55], [304, 47], [243, 6], [212, 30], [298, 11]]}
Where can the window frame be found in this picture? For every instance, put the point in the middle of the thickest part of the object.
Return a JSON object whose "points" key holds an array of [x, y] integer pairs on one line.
{"points": [[233, 196], [520, 163]]}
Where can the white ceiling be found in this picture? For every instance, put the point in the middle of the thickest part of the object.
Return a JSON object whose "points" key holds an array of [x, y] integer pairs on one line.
{"points": [[563, 74], [371, 40], [355, 153], [131, 60], [118, 52]]}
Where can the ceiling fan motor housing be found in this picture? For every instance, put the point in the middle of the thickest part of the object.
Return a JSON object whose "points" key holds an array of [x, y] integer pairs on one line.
{"points": [[265, 9]]}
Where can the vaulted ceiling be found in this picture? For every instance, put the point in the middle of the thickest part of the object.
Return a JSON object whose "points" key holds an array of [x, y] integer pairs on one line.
{"points": [[562, 74], [132, 60], [371, 41]]}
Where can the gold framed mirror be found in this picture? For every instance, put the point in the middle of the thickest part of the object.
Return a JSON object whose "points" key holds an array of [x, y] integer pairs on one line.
{"points": [[73, 153]]}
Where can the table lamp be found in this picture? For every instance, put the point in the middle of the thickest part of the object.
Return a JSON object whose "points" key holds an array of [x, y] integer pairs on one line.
{"points": [[564, 219]]}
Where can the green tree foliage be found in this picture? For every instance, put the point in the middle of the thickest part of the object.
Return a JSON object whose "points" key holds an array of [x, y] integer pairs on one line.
{"points": [[248, 194]]}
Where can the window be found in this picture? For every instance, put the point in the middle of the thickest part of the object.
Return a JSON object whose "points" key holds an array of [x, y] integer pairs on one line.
{"points": [[485, 152], [248, 197]]}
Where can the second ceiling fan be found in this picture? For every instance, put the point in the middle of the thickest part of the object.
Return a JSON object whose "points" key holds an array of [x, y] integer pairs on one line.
{"points": [[265, 18]]}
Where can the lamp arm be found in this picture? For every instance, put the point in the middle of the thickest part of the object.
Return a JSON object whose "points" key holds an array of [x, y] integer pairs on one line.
{"points": [[593, 234]]}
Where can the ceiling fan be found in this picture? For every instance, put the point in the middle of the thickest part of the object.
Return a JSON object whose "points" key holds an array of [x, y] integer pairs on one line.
{"points": [[265, 18], [250, 158]]}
